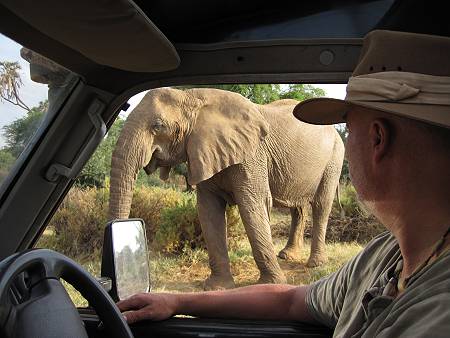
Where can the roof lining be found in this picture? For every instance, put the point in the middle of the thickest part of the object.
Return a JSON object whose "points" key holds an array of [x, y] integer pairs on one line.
{"points": [[115, 34]]}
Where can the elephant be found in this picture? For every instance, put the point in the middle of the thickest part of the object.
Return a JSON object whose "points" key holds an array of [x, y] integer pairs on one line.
{"points": [[237, 153]]}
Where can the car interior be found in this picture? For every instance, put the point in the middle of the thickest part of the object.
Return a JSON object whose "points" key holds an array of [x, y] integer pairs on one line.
{"points": [[116, 49]]}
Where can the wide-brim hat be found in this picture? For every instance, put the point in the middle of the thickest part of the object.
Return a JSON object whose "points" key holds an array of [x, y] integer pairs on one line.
{"points": [[405, 74]]}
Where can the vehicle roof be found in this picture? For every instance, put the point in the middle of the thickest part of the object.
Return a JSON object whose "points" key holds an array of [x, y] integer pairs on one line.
{"points": [[185, 34]]}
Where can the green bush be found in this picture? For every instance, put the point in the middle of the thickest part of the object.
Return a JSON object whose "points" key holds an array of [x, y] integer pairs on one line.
{"points": [[180, 229], [76, 229], [148, 204], [350, 203]]}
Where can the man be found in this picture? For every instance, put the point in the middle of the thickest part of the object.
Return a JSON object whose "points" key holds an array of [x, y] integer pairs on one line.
{"points": [[397, 111]]}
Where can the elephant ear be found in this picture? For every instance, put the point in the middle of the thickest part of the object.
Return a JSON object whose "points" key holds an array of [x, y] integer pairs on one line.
{"points": [[227, 131]]}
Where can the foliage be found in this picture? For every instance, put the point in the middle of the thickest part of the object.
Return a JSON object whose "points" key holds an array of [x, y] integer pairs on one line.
{"points": [[301, 92], [10, 83], [180, 228], [97, 169], [77, 226], [343, 132], [170, 217], [18, 133], [182, 170], [149, 203], [257, 93], [266, 93], [350, 203], [153, 180], [6, 163]]}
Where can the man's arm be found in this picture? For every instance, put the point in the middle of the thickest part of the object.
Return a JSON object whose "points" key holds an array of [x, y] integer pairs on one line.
{"points": [[267, 301]]}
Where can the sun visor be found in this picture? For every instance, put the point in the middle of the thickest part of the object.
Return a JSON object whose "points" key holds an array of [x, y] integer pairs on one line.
{"points": [[113, 33]]}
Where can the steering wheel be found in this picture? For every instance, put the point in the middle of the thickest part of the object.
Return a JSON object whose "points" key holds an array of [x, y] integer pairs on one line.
{"points": [[34, 303]]}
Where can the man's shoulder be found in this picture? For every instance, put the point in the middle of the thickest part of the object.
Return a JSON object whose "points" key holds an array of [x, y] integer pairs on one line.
{"points": [[380, 246], [379, 255]]}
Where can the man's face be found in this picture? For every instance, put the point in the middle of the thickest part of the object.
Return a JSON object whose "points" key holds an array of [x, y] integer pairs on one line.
{"points": [[357, 151]]}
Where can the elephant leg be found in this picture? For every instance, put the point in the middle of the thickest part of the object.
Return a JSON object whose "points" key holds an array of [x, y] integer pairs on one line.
{"points": [[321, 209], [254, 207], [211, 213], [295, 242]]}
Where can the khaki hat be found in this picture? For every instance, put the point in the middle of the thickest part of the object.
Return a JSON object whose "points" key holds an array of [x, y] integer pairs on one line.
{"points": [[405, 74]]}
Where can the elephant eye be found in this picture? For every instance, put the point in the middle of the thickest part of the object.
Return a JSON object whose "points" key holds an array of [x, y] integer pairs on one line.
{"points": [[158, 126]]}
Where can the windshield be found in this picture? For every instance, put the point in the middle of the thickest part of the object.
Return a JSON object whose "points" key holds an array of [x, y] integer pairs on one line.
{"points": [[32, 88]]}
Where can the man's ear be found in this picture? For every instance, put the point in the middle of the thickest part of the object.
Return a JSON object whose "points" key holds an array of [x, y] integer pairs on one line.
{"points": [[380, 134]]}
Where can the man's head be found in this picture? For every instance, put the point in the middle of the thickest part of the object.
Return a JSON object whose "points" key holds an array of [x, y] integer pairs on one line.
{"points": [[392, 158], [397, 111]]}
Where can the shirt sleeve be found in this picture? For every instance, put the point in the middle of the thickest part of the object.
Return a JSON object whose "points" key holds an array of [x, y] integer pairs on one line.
{"points": [[325, 297]]}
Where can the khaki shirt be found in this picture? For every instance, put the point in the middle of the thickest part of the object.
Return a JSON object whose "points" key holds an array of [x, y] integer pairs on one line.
{"points": [[352, 302]]}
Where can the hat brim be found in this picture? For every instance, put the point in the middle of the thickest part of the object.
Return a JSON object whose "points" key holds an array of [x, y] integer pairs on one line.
{"points": [[322, 110], [332, 111]]}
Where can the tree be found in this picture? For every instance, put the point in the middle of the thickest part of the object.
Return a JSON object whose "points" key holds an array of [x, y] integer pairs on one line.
{"points": [[6, 162], [343, 132], [97, 169], [18, 133], [301, 92], [266, 93], [10, 83], [257, 93]]}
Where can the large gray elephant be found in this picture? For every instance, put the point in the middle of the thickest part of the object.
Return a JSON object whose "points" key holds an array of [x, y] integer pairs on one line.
{"points": [[240, 153]]}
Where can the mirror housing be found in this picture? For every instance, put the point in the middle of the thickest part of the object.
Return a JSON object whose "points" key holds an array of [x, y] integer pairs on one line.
{"points": [[125, 258]]}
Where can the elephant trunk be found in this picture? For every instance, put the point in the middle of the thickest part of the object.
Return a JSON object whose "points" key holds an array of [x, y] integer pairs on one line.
{"points": [[132, 152]]}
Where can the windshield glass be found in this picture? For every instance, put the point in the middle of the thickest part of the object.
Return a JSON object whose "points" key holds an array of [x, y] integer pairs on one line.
{"points": [[177, 249], [32, 88]]}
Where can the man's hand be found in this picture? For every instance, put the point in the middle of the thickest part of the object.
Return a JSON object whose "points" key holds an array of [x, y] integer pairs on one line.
{"points": [[152, 306]]}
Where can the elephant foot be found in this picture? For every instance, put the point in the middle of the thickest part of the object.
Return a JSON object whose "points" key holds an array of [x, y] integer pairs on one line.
{"points": [[289, 254], [316, 261], [272, 279], [218, 283]]}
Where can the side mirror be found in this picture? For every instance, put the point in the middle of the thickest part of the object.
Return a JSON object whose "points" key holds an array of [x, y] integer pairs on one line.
{"points": [[125, 258]]}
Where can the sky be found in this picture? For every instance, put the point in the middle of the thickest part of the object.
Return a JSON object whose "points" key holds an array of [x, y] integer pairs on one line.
{"points": [[32, 93]]}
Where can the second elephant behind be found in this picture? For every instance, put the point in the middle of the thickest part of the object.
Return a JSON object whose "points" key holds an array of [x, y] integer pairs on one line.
{"points": [[255, 156]]}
